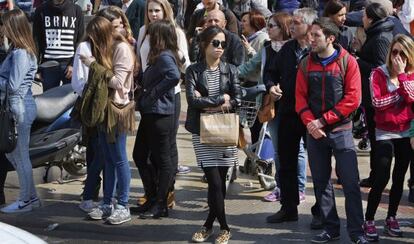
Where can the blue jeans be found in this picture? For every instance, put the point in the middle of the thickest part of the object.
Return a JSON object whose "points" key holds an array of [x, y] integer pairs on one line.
{"points": [[273, 127], [25, 111], [52, 76], [95, 165], [116, 167]]}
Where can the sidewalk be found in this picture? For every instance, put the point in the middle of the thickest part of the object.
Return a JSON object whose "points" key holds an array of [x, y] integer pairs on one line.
{"points": [[246, 212]]}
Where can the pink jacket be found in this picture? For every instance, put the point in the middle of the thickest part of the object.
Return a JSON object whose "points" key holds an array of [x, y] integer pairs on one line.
{"points": [[123, 67], [392, 103]]}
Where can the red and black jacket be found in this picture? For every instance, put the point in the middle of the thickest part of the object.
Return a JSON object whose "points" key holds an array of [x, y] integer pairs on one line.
{"points": [[323, 92]]}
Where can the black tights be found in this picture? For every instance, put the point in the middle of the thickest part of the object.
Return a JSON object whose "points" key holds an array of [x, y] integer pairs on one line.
{"points": [[385, 150], [216, 177]]}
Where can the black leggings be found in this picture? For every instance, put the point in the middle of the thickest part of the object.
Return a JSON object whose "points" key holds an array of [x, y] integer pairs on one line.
{"points": [[216, 177], [401, 148]]}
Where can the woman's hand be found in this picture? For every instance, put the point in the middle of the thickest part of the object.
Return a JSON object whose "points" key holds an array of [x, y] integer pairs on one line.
{"points": [[247, 45], [399, 64], [356, 44], [412, 142], [87, 60], [197, 94]]}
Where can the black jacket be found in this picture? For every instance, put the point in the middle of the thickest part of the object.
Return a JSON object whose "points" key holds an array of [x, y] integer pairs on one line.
{"points": [[233, 53], [345, 38], [196, 80], [157, 95], [57, 30], [282, 70], [136, 14], [373, 53]]}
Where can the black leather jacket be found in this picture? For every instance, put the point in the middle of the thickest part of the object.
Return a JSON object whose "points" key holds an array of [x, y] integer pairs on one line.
{"points": [[196, 80]]}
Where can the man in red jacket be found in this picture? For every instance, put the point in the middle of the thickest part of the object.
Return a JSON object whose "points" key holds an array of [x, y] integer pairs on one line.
{"points": [[328, 90]]}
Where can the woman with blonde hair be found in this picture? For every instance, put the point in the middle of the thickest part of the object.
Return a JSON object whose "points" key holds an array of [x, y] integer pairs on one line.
{"points": [[117, 57], [392, 98], [16, 76], [156, 10]]}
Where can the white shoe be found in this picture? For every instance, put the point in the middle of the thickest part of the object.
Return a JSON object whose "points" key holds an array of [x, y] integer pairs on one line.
{"points": [[18, 207], [36, 203], [87, 206]]}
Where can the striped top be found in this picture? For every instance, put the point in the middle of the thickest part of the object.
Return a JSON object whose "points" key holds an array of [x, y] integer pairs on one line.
{"points": [[208, 155]]}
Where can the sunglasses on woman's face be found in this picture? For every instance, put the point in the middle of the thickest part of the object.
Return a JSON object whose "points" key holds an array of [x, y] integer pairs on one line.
{"points": [[217, 43], [396, 52]]}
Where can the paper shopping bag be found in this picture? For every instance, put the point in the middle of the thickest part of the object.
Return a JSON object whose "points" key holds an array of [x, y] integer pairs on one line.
{"points": [[219, 129]]}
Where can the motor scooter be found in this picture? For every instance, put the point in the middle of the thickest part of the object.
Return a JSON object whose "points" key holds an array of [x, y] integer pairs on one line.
{"points": [[55, 139]]}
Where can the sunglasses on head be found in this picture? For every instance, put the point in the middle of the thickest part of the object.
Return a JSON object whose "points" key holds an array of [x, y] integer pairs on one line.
{"points": [[396, 52], [217, 43], [270, 25]]}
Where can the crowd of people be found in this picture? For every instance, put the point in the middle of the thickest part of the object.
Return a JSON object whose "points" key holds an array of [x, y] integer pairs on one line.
{"points": [[319, 60]]}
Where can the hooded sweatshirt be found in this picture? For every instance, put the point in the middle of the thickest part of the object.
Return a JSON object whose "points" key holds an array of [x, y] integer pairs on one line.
{"points": [[57, 29]]}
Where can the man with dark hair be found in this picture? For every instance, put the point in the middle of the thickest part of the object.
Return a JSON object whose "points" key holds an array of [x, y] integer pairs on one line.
{"points": [[57, 29], [328, 90]]}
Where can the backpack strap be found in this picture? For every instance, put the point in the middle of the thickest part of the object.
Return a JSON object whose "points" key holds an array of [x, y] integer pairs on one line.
{"points": [[343, 65], [303, 66]]}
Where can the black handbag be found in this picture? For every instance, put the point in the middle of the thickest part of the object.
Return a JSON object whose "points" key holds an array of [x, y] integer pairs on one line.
{"points": [[8, 127]]}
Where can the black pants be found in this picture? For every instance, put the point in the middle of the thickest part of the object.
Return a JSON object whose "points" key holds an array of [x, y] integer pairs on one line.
{"points": [[290, 132], [255, 130], [369, 113], [5, 166], [174, 148], [401, 149], [216, 177], [154, 137]]}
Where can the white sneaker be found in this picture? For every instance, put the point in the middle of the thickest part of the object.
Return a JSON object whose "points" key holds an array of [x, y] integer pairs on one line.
{"points": [[36, 203], [18, 207], [87, 206], [120, 215], [101, 212]]}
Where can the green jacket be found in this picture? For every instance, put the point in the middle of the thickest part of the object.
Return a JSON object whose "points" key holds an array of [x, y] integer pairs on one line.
{"points": [[95, 96]]}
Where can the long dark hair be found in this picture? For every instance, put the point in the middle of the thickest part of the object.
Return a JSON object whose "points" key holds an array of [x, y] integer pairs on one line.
{"points": [[163, 36], [207, 35], [333, 7], [99, 33], [17, 29]]}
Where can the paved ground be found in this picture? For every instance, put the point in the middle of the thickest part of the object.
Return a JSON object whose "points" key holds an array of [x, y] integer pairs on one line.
{"points": [[246, 212]]}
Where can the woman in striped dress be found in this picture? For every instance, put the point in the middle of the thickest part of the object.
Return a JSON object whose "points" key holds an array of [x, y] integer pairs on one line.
{"points": [[212, 86]]}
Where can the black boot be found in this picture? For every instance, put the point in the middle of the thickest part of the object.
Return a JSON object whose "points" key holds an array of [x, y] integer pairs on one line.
{"points": [[284, 215], [2, 197], [157, 211], [5, 166], [144, 207]]}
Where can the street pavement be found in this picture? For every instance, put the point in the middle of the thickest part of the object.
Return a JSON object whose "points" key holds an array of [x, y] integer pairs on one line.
{"points": [[60, 220]]}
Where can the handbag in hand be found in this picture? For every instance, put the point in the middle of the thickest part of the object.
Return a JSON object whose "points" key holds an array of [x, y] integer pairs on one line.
{"points": [[8, 127], [219, 129], [267, 111]]}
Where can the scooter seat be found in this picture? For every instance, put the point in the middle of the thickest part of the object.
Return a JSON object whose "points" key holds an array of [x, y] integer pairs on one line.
{"points": [[54, 102]]}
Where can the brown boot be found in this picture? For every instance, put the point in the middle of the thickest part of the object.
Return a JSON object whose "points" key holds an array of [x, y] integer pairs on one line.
{"points": [[141, 200], [171, 199]]}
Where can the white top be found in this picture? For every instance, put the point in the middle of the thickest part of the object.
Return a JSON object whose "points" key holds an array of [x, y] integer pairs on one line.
{"points": [[80, 71], [406, 14], [143, 47]]}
